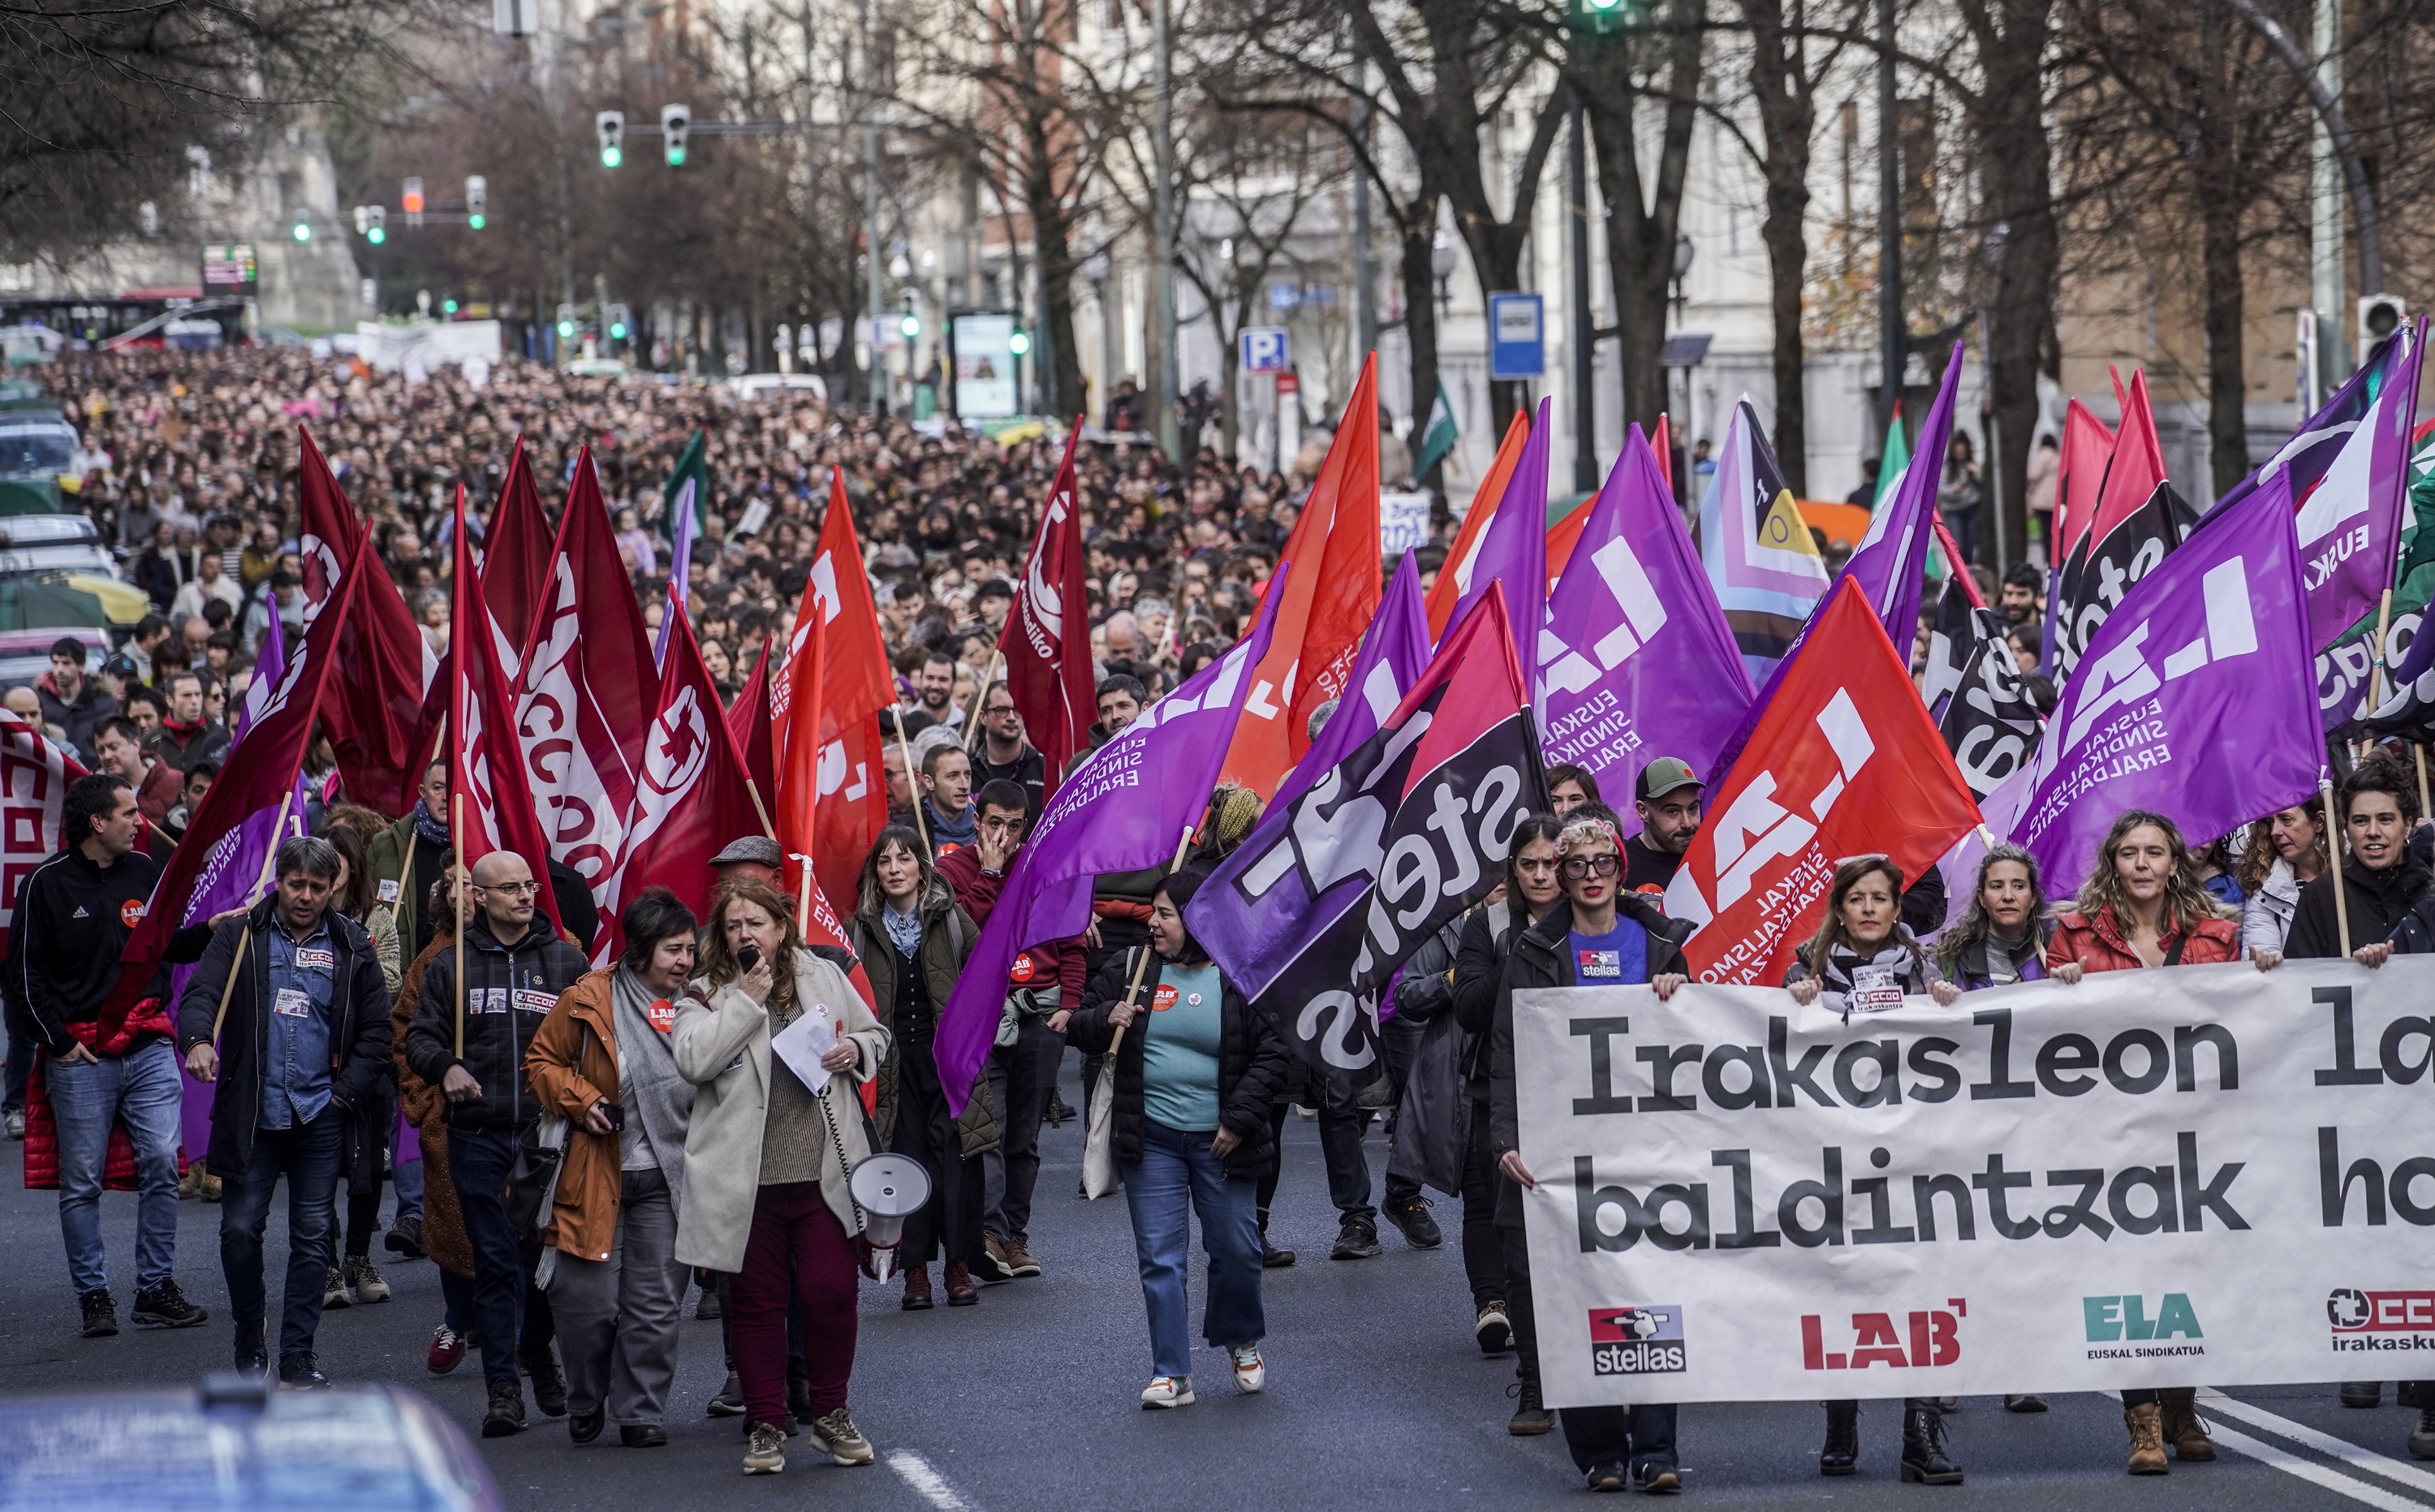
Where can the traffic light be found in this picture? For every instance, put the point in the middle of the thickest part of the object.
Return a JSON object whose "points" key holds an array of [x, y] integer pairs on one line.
{"points": [[565, 322], [410, 199], [449, 308], [2380, 316], [675, 120], [1596, 17], [911, 323], [611, 125], [371, 223], [1020, 342], [617, 322], [477, 200], [302, 230]]}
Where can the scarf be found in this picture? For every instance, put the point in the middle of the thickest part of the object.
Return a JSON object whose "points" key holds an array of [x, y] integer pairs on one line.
{"points": [[1845, 969], [655, 1093], [960, 829], [430, 826], [903, 928]]}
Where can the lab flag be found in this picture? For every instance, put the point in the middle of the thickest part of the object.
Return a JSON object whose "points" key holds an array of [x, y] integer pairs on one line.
{"points": [[1760, 556], [2196, 700], [1453, 578], [1843, 762], [1046, 642], [1636, 661], [34, 777], [1329, 895], [488, 790], [1326, 607], [1124, 809]]}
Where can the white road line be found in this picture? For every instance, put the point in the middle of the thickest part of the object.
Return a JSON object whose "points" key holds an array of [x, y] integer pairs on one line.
{"points": [[2308, 1469], [933, 1485], [2342, 1449]]}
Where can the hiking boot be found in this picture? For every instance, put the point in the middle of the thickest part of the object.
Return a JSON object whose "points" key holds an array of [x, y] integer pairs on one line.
{"points": [[1492, 1328], [765, 1452], [548, 1382], [2147, 1440], [1018, 1258], [730, 1400], [2421, 1439], [2362, 1393], [301, 1372], [447, 1350], [165, 1306], [1356, 1240], [1530, 1417], [506, 1417], [961, 1290], [993, 1265], [1420, 1230], [333, 1291], [837, 1437], [2026, 1402], [1924, 1459], [1841, 1454], [367, 1282], [917, 1289], [100, 1314], [2177, 1421], [405, 1239]]}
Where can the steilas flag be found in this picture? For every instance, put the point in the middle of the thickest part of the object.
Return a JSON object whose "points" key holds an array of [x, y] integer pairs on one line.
{"points": [[586, 693], [491, 800], [515, 560], [1453, 578], [1844, 762], [1046, 642], [851, 806], [385, 706]]}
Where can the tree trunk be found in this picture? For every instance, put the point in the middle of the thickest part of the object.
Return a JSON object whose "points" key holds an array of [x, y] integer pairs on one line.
{"points": [[1052, 249], [2218, 176], [1780, 87], [1420, 332]]}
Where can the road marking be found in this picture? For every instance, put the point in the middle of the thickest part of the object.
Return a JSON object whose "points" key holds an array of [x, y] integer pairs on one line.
{"points": [[2308, 1469], [933, 1485], [2366, 1459]]}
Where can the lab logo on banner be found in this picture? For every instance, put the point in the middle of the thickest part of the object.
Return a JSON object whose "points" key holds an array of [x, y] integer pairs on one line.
{"points": [[2133, 1332], [1926, 1339], [1641, 1340], [2365, 1321]]}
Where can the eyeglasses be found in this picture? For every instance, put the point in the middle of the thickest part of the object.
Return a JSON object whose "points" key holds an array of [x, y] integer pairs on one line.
{"points": [[517, 887], [1605, 865]]}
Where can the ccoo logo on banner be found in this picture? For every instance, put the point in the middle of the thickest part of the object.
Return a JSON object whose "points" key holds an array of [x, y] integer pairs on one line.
{"points": [[2149, 1178]]}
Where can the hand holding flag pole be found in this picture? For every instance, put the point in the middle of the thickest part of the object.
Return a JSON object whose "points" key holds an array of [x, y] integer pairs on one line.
{"points": [[209, 1067], [1103, 1096]]}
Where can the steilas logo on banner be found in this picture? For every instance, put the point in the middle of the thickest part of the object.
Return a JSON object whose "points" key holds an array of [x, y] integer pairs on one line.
{"points": [[1843, 762]]}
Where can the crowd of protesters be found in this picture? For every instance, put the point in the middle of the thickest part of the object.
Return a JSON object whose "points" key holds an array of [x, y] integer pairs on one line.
{"points": [[584, 1148]]}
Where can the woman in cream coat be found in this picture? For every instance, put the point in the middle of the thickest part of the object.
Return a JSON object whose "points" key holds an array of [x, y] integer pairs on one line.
{"points": [[766, 1195]]}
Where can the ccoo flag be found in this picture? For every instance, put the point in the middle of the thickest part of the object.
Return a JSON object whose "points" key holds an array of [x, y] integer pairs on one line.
{"points": [[2195, 700], [1047, 638], [1636, 661]]}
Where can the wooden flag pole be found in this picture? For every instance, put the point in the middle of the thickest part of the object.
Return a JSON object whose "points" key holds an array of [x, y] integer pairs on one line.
{"points": [[245, 935], [1141, 965], [921, 826], [2376, 667], [980, 700], [758, 807], [457, 832], [2424, 811], [2334, 862]]}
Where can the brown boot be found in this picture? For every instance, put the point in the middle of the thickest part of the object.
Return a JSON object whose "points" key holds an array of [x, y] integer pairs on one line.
{"points": [[2178, 1421], [917, 1289], [961, 1290], [2147, 1440], [211, 1187]]}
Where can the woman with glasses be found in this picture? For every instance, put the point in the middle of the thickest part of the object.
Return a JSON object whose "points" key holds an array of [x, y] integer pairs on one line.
{"points": [[1598, 936]]}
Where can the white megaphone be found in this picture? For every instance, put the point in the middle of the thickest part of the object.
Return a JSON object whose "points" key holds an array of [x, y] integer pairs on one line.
{"points": [[888, 1188]]}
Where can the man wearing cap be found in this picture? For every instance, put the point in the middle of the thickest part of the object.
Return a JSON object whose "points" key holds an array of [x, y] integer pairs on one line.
{"points": [[1667, 796], [751, 858]]}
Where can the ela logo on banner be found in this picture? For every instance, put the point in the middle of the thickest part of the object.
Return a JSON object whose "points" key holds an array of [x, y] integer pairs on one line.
{"points": [[2123, 1321]]}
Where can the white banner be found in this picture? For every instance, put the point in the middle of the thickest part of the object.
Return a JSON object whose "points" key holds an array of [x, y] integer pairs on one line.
{"points": [[2199, 1176]]}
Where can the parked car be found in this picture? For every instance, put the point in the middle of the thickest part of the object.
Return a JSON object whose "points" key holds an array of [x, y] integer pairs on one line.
{"points": [[36, 447], [53, 543], [766, 385]]}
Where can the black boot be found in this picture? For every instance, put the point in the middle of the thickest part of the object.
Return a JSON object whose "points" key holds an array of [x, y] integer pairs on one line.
{"points": [[1923, 1458], [1530, 1416], [1841, 1455]]}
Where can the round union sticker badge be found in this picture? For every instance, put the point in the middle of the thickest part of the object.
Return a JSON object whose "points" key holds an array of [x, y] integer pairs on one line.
{"points": [[663, 1014], [131, 913], [1162, 999], [1023, 969]]}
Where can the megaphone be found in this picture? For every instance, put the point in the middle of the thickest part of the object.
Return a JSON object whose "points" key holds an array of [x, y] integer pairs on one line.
{"points": [[888, 1188]]}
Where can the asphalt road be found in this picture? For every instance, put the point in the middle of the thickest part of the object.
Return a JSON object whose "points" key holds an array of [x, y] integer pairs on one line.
{"points": [[1376, 1396]]}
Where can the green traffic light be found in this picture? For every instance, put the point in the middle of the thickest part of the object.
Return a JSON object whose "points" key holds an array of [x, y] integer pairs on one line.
{"points": [[676, 156], [304, 231], [566, 330], [450, 307], [477, 222], [617, 331], [611, 157], [911, 326], [1019, 343], [376, 235]]}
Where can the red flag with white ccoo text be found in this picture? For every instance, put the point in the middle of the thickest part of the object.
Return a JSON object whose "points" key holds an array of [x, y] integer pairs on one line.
{"points": [[851, 805], [490, 802], [515, 560], [34, 777]]}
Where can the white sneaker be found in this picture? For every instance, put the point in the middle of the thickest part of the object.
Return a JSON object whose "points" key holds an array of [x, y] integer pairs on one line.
{"points": [[1167, 1391], [1250, 1373]]}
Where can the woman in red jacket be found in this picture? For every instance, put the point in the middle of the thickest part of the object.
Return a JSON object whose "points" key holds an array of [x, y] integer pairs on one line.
{"points": [[2143, 905]]}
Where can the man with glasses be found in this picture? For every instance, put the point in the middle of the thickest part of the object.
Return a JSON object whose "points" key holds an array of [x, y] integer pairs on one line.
{"points": [[1004, 756], [471, 1044]]}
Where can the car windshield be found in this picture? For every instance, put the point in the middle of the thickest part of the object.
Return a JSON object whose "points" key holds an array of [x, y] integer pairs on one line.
{"points": [[35, 451]]}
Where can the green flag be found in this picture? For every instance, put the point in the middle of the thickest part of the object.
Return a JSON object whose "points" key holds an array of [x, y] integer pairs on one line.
{"points": [[1892, 462], [1438, 435], [693, 465]]}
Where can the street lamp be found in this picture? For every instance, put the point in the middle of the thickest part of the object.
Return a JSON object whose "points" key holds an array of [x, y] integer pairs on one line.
{"points": [[1095, 272], [1683, 252], [1442, 262]]}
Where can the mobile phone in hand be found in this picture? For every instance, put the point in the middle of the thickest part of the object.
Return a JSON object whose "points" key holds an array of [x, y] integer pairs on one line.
{"points": [[746, 958]]}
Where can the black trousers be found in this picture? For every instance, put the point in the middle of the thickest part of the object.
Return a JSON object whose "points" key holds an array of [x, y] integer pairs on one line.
{"points": [[1484, 1252], [950, 1223], [1642, 1434]]}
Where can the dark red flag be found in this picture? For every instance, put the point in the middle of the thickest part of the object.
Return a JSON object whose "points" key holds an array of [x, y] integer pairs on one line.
{"points": [[1046, 643], [487, 789]]}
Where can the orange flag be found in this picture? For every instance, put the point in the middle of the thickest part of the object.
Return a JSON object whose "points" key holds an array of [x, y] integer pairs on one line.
{"points": [[1453, 578]]}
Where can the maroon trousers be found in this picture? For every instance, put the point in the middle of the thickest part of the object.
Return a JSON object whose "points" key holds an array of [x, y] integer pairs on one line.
{"points": [[797, 1245]]}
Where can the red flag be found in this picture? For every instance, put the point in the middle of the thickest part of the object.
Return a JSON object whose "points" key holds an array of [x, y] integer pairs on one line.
{"points": [[2087, 443], [853, 805], [2137, 466], [34, 777], [798, 811], [748, 725], [515, 560], [1331, 597], [492, 801], [1046, 643], [1662, 442], [327, 542], [1562, 537], [1843, 762], [586, 691], [1453, 578], [837, 594]]}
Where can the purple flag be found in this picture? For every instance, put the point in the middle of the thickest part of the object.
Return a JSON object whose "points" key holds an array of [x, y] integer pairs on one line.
{"points": [[1122, 810], [2195, 700], [1637, 661], [231, 873], [269, 661], [2350, 525], [2313, 447], [1513, 548], [680, 568], [1393, 652], [1891, 561]]}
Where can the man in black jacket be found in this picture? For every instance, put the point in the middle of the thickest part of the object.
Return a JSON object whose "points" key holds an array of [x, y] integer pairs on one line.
{"points": [[74, 918], [470, 1045], [2381, 876], [304, 1040]]}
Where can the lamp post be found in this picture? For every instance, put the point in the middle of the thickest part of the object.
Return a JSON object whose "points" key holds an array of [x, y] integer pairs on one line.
{"points": [[1442, 261], [1095, 272]]}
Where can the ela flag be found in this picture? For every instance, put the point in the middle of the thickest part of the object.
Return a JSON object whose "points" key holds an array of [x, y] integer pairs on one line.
{"points": [[2193, 700], [487, 787], [1636, 661], [2312, 449], [1761, 559], [516, 562], [1330, 894], [1843, 762], [2350, 525], [1454, 579], [34, 777], [586, 695], [1046, 642], [1326, 607], [1124, 809], [1392, 656]]}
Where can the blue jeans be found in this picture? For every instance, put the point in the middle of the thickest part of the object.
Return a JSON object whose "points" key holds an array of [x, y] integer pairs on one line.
{"points": [[308, 1158], [479, 1160], [408, 1180], [1176, 1168], [144, 1088]]}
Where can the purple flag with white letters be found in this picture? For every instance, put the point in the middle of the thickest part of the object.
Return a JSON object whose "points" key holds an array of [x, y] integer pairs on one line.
{"points": [[1891, 562], [2196, 699], [1122, 810], [1636, 661], [1513, 548], [269, 662], [2350, 525], [1393, 652]]}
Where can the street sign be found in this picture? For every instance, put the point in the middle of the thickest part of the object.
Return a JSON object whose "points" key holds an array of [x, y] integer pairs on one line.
{"points": [[1518, 341], [230, 268], [1264, 349]]}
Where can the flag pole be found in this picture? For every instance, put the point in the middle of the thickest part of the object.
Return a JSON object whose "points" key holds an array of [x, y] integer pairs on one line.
{"points": [[2334, 858], [802, 889], [457, 834], [921, 826], [1142, 965], [245, 935], [758, 807], [2419, 751], [2376, 667], [980, 699]]}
